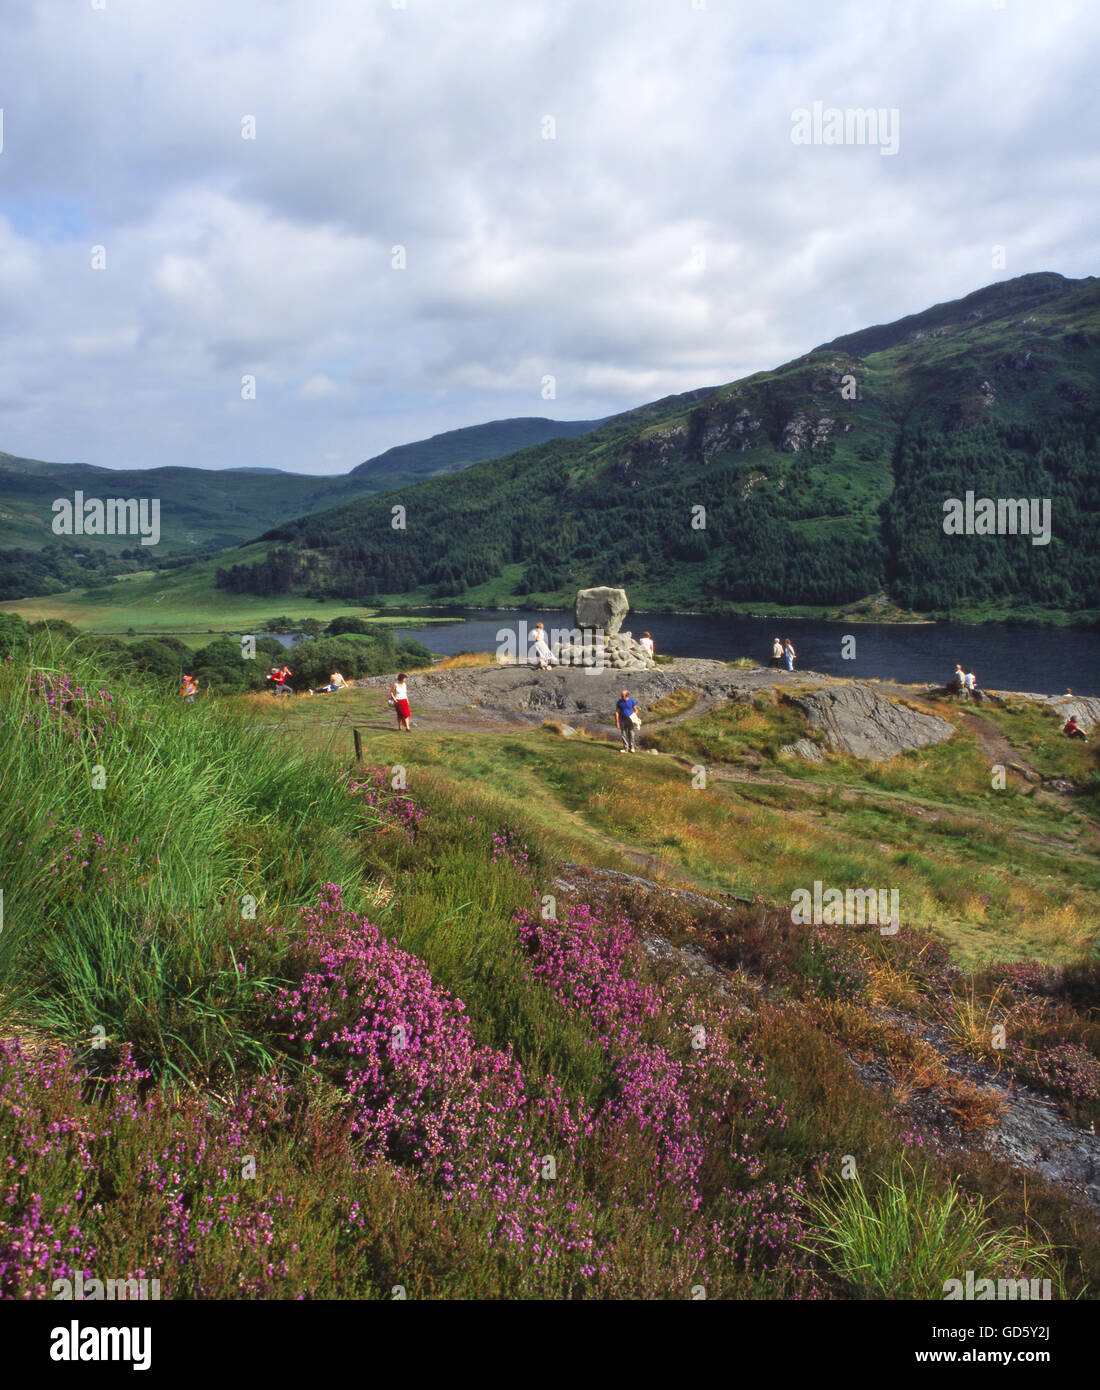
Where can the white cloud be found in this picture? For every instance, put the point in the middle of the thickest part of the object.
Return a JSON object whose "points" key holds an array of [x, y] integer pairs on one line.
{"points": [[670, 236]]}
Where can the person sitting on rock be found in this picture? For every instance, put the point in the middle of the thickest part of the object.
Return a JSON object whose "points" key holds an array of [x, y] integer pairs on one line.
{"points": [[545, 658], [1072, 729]]}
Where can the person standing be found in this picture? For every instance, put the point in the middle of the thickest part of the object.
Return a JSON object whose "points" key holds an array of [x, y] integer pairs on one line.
{"points": [[971, 684], [789, 653], [777, 653], [399, 698], [189, 688], [646, 644], [959, 680], [627, 721]]}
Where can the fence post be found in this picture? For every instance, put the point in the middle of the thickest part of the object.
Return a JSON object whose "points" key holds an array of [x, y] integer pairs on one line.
{"points": [[358, 737]]}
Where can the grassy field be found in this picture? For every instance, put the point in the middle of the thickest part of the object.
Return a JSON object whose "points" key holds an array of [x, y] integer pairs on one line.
{"points": [[1000, 874], [277, 1024], [185, 604]]}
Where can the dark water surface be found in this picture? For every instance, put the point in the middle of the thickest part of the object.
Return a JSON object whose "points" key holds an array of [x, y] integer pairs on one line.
{"points": [[1002, 657]]}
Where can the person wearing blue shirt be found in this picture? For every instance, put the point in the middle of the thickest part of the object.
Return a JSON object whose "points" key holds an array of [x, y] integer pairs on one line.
{"points": [[625, 715]]}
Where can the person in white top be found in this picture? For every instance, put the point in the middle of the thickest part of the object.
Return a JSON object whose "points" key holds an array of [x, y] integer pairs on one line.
{"points": [[646, 642], [544, 656], [970, 682], [399, 698]]}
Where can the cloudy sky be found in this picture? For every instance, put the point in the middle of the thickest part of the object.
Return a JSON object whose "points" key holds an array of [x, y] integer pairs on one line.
{"points": [[605, 192]]}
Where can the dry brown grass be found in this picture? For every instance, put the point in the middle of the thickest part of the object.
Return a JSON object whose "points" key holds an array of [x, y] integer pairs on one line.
{"points": [[463, 660], [675, 702]]}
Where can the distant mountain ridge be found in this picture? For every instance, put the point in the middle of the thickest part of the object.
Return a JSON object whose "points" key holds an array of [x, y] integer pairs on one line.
{"points": [[821, 482], [203, 510]]}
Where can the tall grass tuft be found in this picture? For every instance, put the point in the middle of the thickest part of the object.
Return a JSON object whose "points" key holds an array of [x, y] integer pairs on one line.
{"points": [[905, 1239], [146, 847]]}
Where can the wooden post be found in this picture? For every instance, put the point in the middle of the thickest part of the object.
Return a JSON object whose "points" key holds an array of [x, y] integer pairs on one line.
{"points": [[358, 737]]}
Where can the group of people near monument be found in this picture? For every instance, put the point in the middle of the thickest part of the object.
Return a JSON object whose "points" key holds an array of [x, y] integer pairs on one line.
{"points": [[545, 658]]}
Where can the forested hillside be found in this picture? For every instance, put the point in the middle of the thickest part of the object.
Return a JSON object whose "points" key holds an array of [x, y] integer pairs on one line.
{"points": [[204, 510], [819, 483]]}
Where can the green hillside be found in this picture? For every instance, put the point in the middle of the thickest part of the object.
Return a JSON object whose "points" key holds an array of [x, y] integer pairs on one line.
{"points": [[819, 483], [202, 511]]}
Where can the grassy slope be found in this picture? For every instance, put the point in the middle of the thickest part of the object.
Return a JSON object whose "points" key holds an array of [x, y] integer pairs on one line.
{"points": [[223, 800], [999, 874]]}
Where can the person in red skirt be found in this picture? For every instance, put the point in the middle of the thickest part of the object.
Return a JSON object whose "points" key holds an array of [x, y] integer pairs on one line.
{"points": [[399, 699]]}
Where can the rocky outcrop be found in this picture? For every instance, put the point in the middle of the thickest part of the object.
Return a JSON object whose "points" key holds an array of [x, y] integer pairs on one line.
{"points": [[803, 748], [856, 719]]}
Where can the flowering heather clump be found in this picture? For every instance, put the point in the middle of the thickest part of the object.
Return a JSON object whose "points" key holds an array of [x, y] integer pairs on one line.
{"points": [[188, 1214], [506, 846], [834, 963], [59, 703], [1026, 976], [684, 1090], [1065, 1069], [374, 789], [86, 860], [586, 963], [421, 1090]]}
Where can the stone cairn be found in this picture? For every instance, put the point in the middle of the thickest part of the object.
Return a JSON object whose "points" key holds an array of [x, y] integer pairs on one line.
{"points": [[596, 640]]}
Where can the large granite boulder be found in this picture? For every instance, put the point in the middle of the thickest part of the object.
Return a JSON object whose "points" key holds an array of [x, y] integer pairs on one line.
{"points": [[857, 719], [601, 608]]}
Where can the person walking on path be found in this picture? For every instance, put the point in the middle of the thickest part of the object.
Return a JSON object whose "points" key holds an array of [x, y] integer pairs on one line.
{"points": [[399, 699], [777, 654], [627, 721], [789, 653]]}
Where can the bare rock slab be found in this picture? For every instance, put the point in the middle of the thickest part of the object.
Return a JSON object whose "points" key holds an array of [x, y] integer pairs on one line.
{"points": [[856, 719]]}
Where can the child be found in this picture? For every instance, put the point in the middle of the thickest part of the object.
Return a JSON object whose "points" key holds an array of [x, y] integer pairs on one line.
{"points": [[1072, 729]]}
